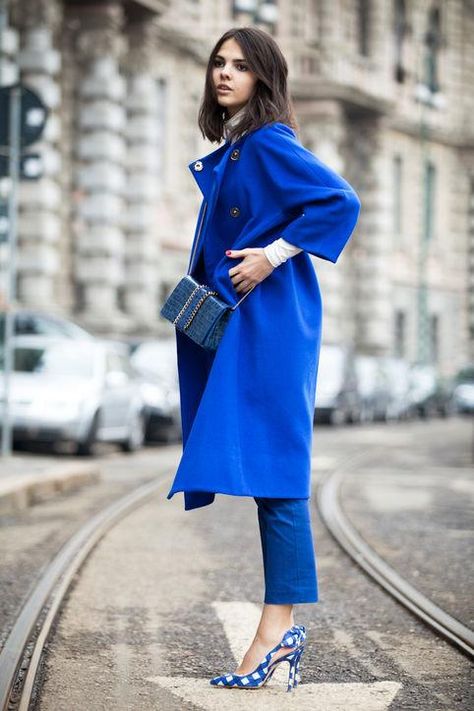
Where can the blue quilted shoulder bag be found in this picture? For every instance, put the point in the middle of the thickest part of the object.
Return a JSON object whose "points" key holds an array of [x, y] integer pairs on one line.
{"points": [[197, 310]]}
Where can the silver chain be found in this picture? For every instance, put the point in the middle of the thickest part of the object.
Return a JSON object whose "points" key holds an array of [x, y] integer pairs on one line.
{"points": [[197, 307], [188, 301]]}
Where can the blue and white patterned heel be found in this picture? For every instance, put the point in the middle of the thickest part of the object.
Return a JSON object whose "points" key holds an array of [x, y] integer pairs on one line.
{"points": [[294, 638]]}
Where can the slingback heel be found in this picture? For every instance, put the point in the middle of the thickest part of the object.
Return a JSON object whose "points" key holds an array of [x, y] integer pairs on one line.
{"points": [[293, 638], [294, 676]]}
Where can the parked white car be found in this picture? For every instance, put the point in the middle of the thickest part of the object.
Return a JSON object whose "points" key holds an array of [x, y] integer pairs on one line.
{"points": [[372, 386], [337, 397], [82, 391], [397, 374], [32, 322], [156, 364]]}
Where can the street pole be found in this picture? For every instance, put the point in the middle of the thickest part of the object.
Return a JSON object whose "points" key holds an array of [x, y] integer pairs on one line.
{"points": [[14, 167]]}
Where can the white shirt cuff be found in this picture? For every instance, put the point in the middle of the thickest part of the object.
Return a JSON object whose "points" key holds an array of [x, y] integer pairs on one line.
{"points": [[279, 251]]}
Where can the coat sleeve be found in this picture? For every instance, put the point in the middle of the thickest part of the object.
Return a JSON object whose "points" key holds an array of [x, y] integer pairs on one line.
{"points": [[326, 208]]}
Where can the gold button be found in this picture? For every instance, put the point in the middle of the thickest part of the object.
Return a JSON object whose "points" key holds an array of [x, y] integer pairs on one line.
{"points": [[234, 211], [198, 165], [235, 154]]}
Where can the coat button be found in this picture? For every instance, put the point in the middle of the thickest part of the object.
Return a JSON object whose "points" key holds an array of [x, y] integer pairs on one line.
{"points": [[235, 154], [234, 211], [198, 165]]}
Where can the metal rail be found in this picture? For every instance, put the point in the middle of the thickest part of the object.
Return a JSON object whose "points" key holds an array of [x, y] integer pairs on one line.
{"points": [[350, 540], [21, 655]]}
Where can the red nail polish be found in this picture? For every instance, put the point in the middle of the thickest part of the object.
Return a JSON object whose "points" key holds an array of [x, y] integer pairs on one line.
{"points": [[229, 251]]}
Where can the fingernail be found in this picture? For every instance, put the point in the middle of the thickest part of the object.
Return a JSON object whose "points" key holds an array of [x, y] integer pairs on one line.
{"points": [[229, 251]]}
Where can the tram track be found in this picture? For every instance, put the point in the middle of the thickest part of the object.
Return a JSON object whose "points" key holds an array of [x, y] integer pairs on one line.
{"points": [[347, 536], [21, 655], [20, 659]]}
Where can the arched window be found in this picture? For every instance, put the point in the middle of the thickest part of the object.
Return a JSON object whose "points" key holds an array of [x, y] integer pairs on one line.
{"points": [[433, 44], [399, 31]]}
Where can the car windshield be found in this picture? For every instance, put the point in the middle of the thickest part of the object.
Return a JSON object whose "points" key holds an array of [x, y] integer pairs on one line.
{"points": [[34, 324], [59, 359], [466, 375]]}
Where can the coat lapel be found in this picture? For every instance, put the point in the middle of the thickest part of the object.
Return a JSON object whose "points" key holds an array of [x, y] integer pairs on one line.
{"points": [[203, 169]]}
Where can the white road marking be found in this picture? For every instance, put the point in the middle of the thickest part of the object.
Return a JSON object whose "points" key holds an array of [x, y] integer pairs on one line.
{"points": [[240, 620], [326, 697]]}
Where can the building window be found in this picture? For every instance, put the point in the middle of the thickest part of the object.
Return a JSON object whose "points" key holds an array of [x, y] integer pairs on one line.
{"points": [[434, 338], [363, 26], [429, 200], [400, 334], [256, 11], [432, 47], [397, 194], [400, 30]]}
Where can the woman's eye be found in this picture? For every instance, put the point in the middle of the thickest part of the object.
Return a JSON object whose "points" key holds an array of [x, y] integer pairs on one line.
{"points": [[242, 67]]}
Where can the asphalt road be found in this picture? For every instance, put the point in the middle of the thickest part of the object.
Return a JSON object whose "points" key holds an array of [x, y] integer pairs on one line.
{"points": [[170, 598]]}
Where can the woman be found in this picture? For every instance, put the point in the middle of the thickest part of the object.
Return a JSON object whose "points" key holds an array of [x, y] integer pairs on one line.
{"points": [[247, 409]]}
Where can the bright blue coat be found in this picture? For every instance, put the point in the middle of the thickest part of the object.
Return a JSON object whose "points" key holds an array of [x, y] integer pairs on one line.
{"points": [[247, 409]]}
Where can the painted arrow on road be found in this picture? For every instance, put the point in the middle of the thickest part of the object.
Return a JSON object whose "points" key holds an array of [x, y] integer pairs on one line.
{"points": [[240, 620]]}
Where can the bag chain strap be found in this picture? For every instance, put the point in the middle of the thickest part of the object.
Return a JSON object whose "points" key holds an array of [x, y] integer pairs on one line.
{"points": [[188, 301], [197, 307]]}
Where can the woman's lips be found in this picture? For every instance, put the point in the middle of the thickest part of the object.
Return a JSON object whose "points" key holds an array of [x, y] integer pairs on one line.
{"points": [[222, 90]]}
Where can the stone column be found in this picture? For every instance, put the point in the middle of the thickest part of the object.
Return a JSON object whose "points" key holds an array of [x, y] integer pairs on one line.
{"points": [[39, 224], [142, 139], [323, 131], [100, 179], [373, 277], [329, 37]]}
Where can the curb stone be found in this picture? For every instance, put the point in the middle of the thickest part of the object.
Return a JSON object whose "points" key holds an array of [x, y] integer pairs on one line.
{"points": [[20, 492]]}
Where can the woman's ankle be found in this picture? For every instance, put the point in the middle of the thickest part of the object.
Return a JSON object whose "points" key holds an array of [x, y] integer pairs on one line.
{"points": [[274, 622], [271, 636]]}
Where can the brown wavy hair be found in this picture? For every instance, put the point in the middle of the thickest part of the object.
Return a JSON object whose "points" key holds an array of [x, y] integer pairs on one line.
{"points": [[269, 102]]}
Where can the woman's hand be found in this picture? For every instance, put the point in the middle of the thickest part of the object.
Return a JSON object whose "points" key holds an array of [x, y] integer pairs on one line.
{"points": [[253, 268]]}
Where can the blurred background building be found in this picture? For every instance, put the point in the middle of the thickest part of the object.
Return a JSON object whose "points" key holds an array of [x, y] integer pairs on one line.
{"points": [[382, 91]]}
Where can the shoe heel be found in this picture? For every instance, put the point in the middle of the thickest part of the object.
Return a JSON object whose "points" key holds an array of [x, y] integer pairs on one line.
{"points": [[297, 670], [293, 672]]}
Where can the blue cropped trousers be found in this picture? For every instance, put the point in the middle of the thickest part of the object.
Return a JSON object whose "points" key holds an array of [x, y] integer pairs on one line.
{"points": [[289, 561]]}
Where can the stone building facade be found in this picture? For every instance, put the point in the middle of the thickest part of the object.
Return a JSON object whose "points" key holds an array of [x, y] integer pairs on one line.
{"points": [[382, 91]]}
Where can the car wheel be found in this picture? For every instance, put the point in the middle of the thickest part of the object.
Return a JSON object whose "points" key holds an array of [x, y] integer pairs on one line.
{"points": [[136, 436], [86, 448]]}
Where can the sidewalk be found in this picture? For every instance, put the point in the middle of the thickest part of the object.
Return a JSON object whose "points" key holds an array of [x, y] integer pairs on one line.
{"points": [[26, 480]]}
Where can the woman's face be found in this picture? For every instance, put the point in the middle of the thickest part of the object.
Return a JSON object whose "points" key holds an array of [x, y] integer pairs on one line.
{"points": [[231, 70]]}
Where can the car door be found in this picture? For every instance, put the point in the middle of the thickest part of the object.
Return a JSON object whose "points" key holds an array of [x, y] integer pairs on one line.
{"points": [[116, 398]]}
